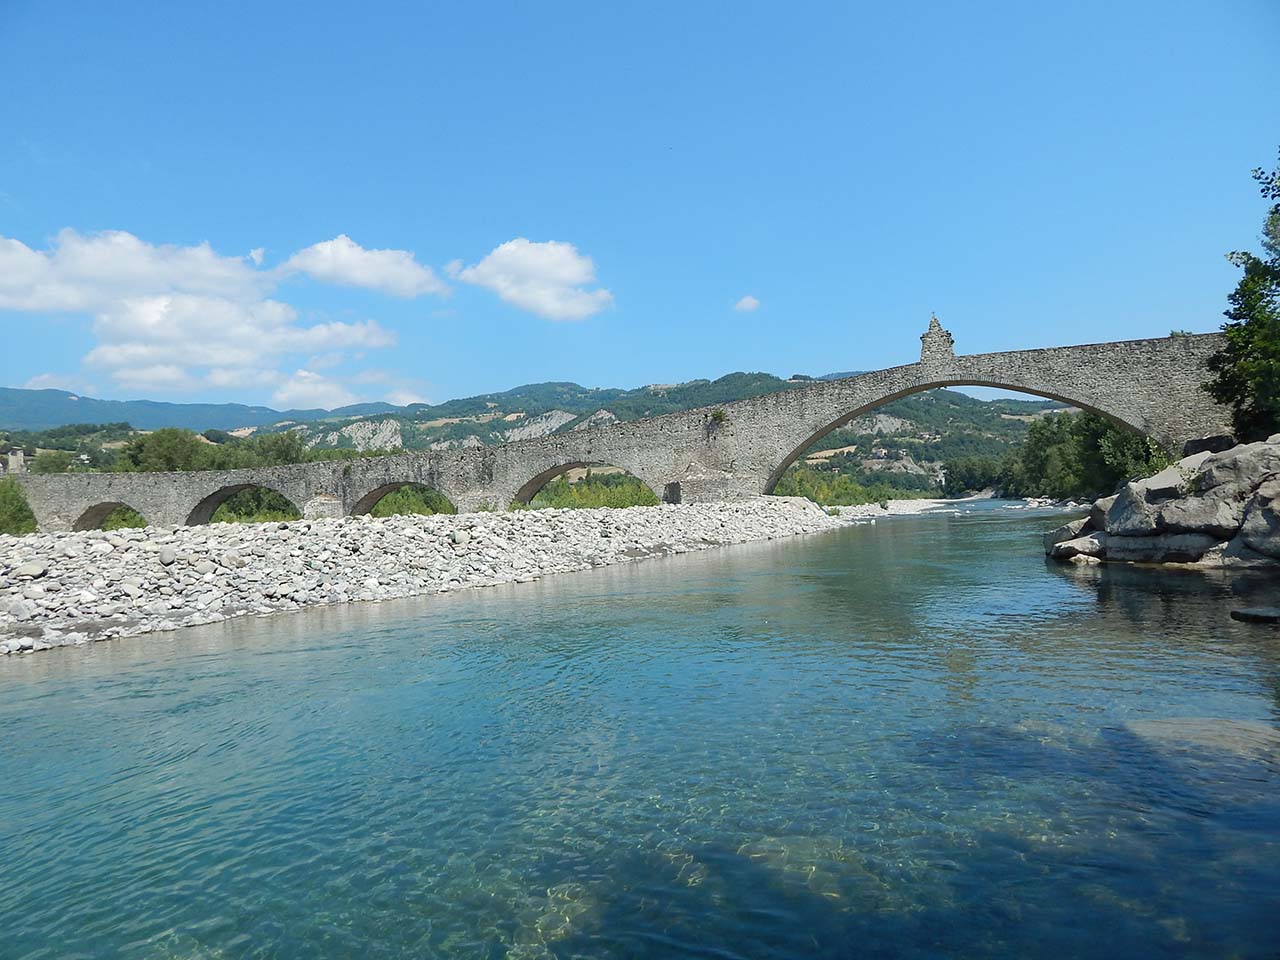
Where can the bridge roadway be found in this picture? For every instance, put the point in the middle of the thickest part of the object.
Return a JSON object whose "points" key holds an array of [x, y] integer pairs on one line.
{"points": [[731, 451]]}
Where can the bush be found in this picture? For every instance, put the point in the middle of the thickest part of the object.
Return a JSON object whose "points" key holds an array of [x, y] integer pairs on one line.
{"points": [[256, 505], [594, 490], [123, 518], [412, 498], [16, 517]]}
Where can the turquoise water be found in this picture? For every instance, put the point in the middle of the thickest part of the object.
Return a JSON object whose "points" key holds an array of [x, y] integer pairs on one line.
{"points": [[910, 739]]}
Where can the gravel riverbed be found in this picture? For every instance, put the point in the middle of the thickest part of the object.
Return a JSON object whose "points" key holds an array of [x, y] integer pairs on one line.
{"points": [[63, 589]]}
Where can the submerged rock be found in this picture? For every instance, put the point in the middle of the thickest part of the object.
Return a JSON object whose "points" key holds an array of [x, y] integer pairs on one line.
{"points": [[1257, 614]]}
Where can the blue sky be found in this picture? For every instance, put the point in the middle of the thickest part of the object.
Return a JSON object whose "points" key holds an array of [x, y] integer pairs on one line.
{"points": [[316, 203]]}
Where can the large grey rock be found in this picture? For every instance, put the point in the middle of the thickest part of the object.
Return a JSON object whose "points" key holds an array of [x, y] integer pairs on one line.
{"points": [[1098, 512], [1173, 481], [1090, 545], [1130, 515], [1215, 443], [1068, 531], [1234, 555], [1249, 462], [31, 570], [168, 556], [1161, 548], [1218, 511], [1261, 527]]}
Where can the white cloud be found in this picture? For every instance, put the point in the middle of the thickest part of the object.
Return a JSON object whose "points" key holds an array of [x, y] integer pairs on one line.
{"points": [[325, 361], [155, 376], [402, 398], [59, 381], [547, 279], [82, 273], [343, 261], [179, 318], [237, 377], [746, 304], [306, 389]]}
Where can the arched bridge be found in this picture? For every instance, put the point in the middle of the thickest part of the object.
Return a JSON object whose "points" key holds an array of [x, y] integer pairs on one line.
{"points": [[735, 450]]}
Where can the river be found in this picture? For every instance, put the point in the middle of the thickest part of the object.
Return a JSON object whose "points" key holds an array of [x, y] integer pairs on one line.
{"points": [[904, 739]]}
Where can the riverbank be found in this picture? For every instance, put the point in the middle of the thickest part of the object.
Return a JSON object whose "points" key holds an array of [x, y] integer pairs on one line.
{"points": [[65, 589]]}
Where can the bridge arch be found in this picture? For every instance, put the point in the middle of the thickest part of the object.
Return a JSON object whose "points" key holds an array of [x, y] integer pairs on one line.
{"points": [[1120, 418], [530, 489], [204, 510], [95, 516], [375, 496]]}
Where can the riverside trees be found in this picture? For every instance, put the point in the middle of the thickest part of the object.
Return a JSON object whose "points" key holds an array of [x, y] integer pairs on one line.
{"points": [[1247, 369]]}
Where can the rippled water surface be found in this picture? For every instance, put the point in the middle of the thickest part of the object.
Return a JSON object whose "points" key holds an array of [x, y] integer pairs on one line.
{"points": [[908, 739]]}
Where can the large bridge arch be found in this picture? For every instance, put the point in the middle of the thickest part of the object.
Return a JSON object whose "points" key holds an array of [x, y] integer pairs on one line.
{"points": [[1120, 418]]}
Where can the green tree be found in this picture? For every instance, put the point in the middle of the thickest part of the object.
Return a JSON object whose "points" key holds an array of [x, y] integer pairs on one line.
{"points": [[51, 461], [967, 474], [16, 517], [167, 449], [1078, 456], [1246, 371]]}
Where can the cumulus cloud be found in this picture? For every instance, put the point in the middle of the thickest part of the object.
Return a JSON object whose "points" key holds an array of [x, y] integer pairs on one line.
{"points": [[402, 398], [82, 273], [59, 381], [746, 304], [343, 261], [306, 389], [179, 318], [547, 279]]}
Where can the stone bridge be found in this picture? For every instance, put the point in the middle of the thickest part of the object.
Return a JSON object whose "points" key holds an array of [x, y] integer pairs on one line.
{"points": [[735, 450]]}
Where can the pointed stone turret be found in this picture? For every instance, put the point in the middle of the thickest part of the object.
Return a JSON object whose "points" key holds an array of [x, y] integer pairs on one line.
{"points": [[936, 343]]}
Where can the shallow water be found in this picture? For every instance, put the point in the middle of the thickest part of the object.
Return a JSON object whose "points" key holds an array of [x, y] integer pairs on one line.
{"points": [[904, 739]]}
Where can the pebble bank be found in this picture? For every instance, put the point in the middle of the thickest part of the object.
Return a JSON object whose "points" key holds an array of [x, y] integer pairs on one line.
{"points": [[75, 588]]}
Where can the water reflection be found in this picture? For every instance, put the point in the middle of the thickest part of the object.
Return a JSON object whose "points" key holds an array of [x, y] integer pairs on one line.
{"points": [[905, 740]]}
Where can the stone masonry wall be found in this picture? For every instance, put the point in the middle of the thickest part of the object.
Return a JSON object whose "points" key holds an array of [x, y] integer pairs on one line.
{"points": [[729, 452]]}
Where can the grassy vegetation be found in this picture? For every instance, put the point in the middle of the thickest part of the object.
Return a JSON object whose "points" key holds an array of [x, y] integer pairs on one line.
{"points": [[831, 487], [15, 515], [593, 490], [412, 498], [123, 518], [256, 505]]}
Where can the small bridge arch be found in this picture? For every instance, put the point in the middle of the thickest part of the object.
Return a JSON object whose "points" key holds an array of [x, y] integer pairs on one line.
{"points": [[530, 489], [95, 516], [371, 499], [204, 510]]}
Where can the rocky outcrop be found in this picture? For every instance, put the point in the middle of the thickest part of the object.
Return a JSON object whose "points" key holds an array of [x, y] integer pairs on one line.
{"points": [[1210, 509]]}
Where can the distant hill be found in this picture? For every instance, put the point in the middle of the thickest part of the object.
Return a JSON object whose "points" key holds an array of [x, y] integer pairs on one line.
{"points": [[41, 409], [924, 428]]}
